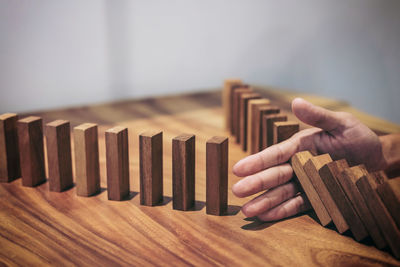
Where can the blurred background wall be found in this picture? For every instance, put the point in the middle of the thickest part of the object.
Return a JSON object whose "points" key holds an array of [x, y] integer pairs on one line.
{"points": [[64, 53]]}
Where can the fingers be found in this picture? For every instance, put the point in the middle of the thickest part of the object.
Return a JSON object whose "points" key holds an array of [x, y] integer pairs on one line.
{"points": [[269, 199], [288, 208], [261, 181]]}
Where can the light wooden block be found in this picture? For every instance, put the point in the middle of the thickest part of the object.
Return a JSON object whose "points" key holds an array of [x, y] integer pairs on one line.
{"points": [[389, 192], [9, 153], [283, 130], [258, 114], [241, 136], [251, 109], [227, 100], [268, 128], [237, 95]]}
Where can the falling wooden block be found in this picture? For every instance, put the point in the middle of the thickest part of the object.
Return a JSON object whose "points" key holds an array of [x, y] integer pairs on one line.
{"points": [[87, 172], [347, 180], [328, 173], [387, 226], [151, 168], [311, 168], [237, 95], [217, 175], [9, 154], [59, 160], [258, 114], [227, 100], [241, 136], [283, 130], [389, 192], [251, 110], [117, 161], [183, 172], [298, 161], [31, 151], [268, 128]]}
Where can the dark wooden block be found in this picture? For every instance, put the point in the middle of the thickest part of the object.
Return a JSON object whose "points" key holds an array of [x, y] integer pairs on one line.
{"points": [[59, 160], [117, 161], [183, 171], [389, 192], [298, 161], [251, 109], [237, 95], [217, 175], [9, 154], [87, 172], [31, 151], [229, 86], [367, 187], [283, 130], [267, 139], [347, 180], [328, 174], [151, 168], [260, 111], [241, 136]]}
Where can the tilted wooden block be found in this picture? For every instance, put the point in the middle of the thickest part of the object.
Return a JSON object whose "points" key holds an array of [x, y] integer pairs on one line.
{"points": [[251, 109], [268, 128], [283, 130], [31, 151], [151, 168], [183, 172], [328, 173], [59, 160], [389, 192], [117, 161], [298, 161], [86, 147], [312, 168], [260, 111], [227, 100], [241, 136], [347, 180], [217, 175], [387, 226], [9, 154], [237, 95]]}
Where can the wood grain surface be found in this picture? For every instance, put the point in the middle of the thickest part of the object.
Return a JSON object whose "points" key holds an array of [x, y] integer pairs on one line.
{"points": [[43, 228]]}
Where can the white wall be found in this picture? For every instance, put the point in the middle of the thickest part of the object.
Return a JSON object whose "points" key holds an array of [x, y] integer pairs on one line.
{"points": [[63, 53]]}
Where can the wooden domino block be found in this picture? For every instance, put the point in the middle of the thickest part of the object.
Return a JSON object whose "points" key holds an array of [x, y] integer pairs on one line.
{"points": [[241, 136], [347, 180], [328, 173], [367, 187], [283, 130], [117, 161], [87, 172], [312, 168], [9, 154], [227, 100], [267, 139], [251, 109], [389, 192], [260, 111], [151, 168], [183, 172], [237, 95], [31, 151], [59, 160], [298, 161], [217, 175]]}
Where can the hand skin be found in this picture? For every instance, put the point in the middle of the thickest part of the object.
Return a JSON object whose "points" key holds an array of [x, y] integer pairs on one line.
{"points": [[337, 133]]}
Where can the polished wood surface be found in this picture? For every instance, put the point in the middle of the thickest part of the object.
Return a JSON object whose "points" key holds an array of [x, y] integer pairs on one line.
{"points": [[39, 227]]}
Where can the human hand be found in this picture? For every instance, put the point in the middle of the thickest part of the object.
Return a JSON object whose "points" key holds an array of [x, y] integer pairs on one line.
{"points": [[337, 133]]}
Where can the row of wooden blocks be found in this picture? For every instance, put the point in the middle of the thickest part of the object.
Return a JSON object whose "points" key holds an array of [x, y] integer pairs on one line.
{"points": [[22, 155], [254, 122], [367, 204]]}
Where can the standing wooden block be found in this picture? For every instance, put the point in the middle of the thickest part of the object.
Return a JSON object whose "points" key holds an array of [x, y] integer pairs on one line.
{"points": [[117, 157], [260, 111], [348, 179], [59, 160], [268, 128], [298, 161], [227, 100], [151, 168], [390, 195], [9, 155], [251, 109], [217, 175], [283, 130], [241, 136], [87, 172], [30, 140], [367, 187], [183, 171], [312, 168], [237, 95], [328, 174]]}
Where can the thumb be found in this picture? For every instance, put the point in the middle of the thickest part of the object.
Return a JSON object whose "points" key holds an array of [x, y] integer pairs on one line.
{"points": [[316, 116]]}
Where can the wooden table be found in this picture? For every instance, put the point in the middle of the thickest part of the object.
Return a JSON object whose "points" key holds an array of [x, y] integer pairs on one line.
{"points": [[38, 227]]}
